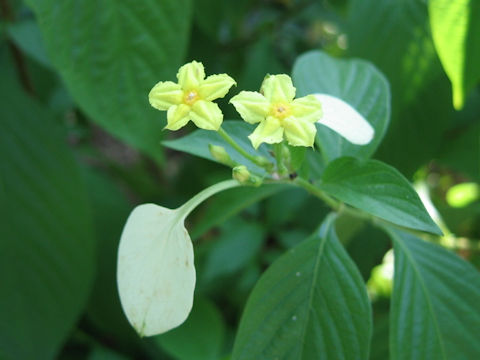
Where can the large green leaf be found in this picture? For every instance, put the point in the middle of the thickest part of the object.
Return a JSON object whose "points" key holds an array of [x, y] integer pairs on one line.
{"points": [[111, 53], [46, 246], [310, 304], [200, 337], [395, 36], [197, 143], [354, 81], [434, 309], [378, 189], [456, 33], [110, 209]]}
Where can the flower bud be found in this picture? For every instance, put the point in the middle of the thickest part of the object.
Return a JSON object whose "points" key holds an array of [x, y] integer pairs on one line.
{"points": [[243, 176], [220, 154]]}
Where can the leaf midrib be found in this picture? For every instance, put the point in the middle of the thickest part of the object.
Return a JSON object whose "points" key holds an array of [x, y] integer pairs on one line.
{"points": [[425, 291], [320, 252]]}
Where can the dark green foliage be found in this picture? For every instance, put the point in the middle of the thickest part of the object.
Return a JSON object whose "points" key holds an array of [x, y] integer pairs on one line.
{"points": [[277, 276]]}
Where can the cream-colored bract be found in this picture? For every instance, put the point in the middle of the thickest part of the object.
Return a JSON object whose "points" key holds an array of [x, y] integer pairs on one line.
{"points": [[156, 274], [155, 270], [345, 120]]}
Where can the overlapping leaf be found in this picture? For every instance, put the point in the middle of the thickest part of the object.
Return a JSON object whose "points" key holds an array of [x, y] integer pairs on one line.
{"points": [[434, 311], [110, 53], [310, 304], [378, 189], [356, 82]]}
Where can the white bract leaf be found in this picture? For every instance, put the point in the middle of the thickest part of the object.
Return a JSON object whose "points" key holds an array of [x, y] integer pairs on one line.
{"points": [[155, 269], [345, 120], [156, 276]]}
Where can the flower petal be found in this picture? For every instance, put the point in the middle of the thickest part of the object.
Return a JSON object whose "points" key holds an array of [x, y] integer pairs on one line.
{"points": [[299, 132], [269, 131], [165, 94], [307, 108], [278, 88], [191, 75], [345, 120], [215, 86], [155, 273], [252, 106], [206, 115], [177, 116]]}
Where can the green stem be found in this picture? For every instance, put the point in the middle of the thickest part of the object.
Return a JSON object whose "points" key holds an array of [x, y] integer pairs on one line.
{"points": [[190, 205], [336, 205], [255, 159]]}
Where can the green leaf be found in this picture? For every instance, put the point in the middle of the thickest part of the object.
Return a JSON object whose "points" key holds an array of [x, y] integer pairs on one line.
{"points": [[239, 242], [110, 209], [26, 35], [47, 246], [230, 203], [310, 304], [111, 53], [354, 81], [456, 34], [200, 338], [196, 143], [434, 308], [378, 189], [395, 36]]}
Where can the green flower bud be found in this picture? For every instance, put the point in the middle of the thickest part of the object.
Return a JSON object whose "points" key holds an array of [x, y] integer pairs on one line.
{"points": [[220, 154], [243, 176]]}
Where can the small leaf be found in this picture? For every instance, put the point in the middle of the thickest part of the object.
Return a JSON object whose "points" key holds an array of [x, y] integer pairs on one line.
{"points": [[26, 35], [356, 82], [434, 309], [378, 189], [310, 304], [155, 271], [456, 35]]}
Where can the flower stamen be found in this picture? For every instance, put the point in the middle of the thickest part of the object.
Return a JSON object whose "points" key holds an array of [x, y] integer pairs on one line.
{"points": [[190, 97], [280, 111]]}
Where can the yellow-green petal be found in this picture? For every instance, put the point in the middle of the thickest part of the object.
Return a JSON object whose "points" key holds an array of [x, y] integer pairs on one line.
{"points": [[269, 131], [165, 94], [206, 115], [178, 116], [278, 88], [191, 75], [215, 86], [252, 106], [299, 132], [307, 108]]}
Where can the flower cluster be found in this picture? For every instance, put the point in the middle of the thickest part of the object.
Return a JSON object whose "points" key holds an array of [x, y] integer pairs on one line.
{"points": [[276, 111]]}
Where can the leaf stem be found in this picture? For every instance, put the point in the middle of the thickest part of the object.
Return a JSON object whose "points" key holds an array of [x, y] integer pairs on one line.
{"points": [[257, 160], [191, 204], [336, 205]]}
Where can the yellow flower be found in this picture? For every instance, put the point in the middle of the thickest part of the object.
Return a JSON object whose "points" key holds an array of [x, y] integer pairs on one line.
{"points": [[279, 114], [191, 98]]}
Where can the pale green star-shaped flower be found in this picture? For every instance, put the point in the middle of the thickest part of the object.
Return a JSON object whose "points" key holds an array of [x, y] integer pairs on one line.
{"points": [[279, 114], [192, 97]]}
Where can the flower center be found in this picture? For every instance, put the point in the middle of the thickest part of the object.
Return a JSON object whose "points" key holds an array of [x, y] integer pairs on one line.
{"points": [[190, 97], [280, 110]]}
